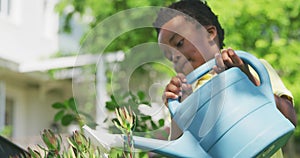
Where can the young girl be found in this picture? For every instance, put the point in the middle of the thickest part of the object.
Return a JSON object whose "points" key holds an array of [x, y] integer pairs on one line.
{"points": [[191, 35]]}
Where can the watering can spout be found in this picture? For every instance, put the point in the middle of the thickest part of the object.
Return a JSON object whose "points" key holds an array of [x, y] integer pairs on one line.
{"points": [[185, 146]]}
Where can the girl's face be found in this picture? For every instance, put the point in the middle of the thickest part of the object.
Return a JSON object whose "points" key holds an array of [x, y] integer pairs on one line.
{"points": [[187, 45]]}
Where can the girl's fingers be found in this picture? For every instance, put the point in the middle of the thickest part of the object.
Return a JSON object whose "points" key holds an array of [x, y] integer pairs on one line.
{"points": [[226, 58], [182, 77], [173, 88], [220, 66], [170, 95], [236, 60], [176, 81]]}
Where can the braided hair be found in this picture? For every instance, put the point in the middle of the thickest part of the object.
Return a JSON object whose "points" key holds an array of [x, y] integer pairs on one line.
{"points": [[195, 9]]}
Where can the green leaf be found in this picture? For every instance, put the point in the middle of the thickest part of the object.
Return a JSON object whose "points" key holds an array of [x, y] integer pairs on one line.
{"points": [[59, 115], [141, 95], [34, 153], [161, 122], [144, 118], [59, 106], [67, 119], [154, 126], [113, 99], [133, 97], [146, 103], [72, 105], [105, 120], [110, 105]]}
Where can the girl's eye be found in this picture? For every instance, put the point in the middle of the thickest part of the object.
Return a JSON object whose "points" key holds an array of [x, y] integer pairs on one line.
{"points": [[180, 43]]}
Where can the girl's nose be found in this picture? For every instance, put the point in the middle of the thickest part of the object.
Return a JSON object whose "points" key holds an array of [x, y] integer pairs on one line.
{"points": [[176, 55]]}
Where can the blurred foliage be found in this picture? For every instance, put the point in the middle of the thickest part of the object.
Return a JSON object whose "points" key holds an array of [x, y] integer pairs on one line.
{"points": [[6, 131], [269, 29], [98, 11], [68, 113], [149, 70]]}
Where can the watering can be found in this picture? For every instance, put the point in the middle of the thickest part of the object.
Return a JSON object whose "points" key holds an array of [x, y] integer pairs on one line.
{"points": [[228, 116]]}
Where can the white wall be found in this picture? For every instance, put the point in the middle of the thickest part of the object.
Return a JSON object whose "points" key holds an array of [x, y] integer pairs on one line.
{"points": [[27, 34], [30, 31], [32, 111]]}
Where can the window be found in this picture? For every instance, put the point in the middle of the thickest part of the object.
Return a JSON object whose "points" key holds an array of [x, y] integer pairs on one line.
{"points": [[9, 112], [2, 104], [50, 19], [6, 112], [5, 7]]}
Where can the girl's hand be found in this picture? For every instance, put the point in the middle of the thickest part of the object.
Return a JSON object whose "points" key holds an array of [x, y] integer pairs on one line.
{"points": [[228, 59], [177, 88]]}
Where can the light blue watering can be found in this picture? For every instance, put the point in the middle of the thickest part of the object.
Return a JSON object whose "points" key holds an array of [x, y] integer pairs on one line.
{"points": [[226, 117]]}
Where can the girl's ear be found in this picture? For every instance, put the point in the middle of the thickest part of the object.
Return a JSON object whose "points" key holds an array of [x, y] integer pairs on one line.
{"points": [[212, 30]]}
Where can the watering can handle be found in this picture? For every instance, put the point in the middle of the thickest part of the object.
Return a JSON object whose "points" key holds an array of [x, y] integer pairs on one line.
{"points": [[265, 85]]}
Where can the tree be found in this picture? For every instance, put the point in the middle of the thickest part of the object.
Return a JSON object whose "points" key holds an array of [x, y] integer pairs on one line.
{"points": [[98, 11]]}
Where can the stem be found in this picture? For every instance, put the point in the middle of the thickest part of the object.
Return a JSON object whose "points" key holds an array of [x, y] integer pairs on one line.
{"points": [[130, 144]]}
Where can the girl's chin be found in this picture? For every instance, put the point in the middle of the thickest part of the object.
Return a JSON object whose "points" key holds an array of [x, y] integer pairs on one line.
{"points": [[185, 69]]}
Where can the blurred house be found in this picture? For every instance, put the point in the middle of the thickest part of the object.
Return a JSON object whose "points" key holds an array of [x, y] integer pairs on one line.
{"points": [[28, 37], [32, 79]]}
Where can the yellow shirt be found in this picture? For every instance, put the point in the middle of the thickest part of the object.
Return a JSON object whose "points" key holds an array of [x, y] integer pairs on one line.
{"points": [[277, 85]]}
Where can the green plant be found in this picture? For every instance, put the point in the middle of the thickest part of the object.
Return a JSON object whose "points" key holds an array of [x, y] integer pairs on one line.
{"points": [[145, 124], [68, 113], [78, 147], [125, 122]]}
